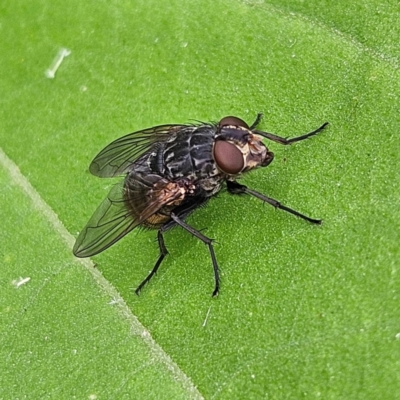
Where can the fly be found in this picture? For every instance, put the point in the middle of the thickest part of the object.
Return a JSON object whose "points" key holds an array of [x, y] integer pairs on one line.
{"points": [[170, 170]]}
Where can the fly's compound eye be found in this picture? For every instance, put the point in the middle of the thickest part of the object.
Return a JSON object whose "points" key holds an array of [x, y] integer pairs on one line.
{"points": [[233, 121], [228, 157]]}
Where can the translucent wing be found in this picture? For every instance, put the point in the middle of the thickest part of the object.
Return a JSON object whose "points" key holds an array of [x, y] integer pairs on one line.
{"points": [[129, 203], [117, 156], [110, 222]]}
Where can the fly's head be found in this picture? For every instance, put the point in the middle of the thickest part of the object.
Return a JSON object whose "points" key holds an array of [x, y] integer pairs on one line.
{"points": [[237, 149]]}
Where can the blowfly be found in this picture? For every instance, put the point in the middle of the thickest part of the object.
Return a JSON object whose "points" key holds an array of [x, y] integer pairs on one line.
{"points": [[170, 170]]}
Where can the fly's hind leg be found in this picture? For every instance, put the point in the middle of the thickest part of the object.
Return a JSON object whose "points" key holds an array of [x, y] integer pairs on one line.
{"points": [[163, 253], [206, 240], [177, 219]]}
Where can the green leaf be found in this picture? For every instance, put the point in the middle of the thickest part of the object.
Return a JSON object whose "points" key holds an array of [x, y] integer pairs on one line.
{"points": [[65, 330], [304, 311]]}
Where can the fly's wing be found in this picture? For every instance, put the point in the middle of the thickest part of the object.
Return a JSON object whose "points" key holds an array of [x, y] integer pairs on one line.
{"points": [[110, 222], [115, 159], [129, 203]]}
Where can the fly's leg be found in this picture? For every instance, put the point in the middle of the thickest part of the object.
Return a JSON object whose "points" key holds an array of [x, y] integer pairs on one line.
{"points": [[183, 212], [257, 121], [206, 241], [163, 253], [237, 188], [286, 141]]}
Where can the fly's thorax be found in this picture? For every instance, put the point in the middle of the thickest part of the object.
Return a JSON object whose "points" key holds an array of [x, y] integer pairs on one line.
{"points": [[189, 154], [238, 150], [184, 159]]}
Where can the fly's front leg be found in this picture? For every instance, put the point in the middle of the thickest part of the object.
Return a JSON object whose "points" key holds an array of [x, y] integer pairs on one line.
{"points": [[206, 240], [285, 141], [237, 188], [163, 253], [257, 121]]}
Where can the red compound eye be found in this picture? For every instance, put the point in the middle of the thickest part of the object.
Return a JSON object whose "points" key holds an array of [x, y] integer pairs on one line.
{"points": [[233, 121], [228, 157]]}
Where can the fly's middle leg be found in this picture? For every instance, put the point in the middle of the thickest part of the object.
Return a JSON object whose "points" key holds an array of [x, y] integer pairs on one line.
{"points": [[237, 188]]}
